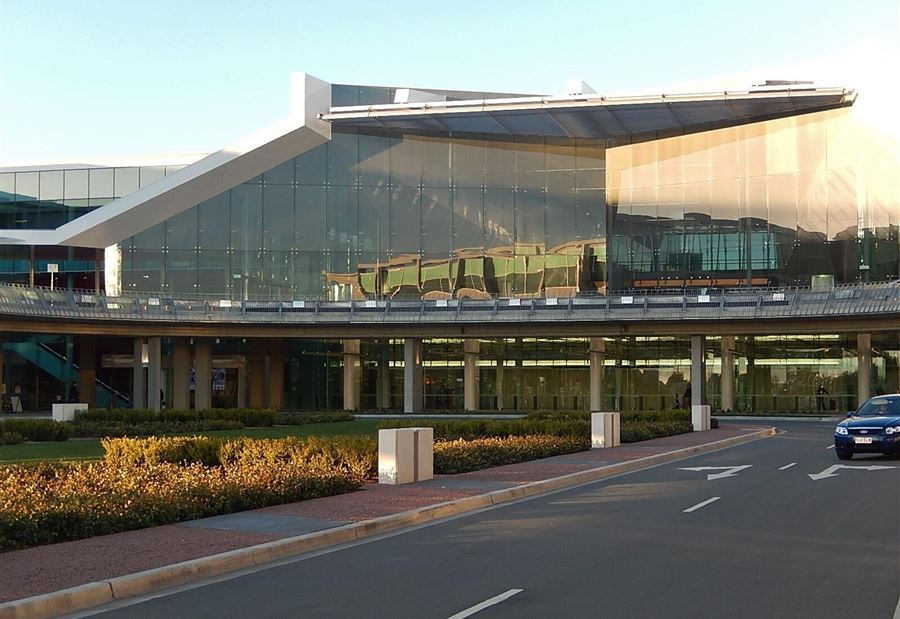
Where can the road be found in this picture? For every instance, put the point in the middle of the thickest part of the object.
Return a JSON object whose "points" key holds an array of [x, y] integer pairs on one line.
{"points": [[760, 538]]}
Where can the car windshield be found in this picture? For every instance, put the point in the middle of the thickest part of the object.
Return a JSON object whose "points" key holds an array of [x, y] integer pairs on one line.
{"points": [[888, 406]]}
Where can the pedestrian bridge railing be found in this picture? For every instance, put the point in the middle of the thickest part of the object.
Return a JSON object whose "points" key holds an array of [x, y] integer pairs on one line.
{"points": [[711, 304]]}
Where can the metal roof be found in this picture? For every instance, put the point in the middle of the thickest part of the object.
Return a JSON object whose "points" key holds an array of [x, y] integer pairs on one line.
{"points": [[591, 115]]}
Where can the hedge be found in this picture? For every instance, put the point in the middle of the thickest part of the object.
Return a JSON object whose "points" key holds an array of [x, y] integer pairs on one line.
{"points": [[460, 456], [38, 430], [299, 418], [126, 422], [52, 503]]}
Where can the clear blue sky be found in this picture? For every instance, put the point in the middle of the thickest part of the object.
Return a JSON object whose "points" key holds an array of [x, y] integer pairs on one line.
{"points": [[123, 77]]}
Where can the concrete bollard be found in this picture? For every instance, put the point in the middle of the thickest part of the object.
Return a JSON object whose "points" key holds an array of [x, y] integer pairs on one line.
{"points": [[396, 456], [405, 455], [66, 412], [605, 430], [424, 456], [700, 417]]}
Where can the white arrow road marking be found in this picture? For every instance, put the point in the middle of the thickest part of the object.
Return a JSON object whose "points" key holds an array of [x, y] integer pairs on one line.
{"points": [[481, 606], [830, 447], [703, 504], [727, 471], [830, 471], [786, 466]]}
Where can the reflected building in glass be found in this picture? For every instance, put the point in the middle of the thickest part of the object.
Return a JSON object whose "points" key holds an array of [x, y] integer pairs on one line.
{"points": [[434, 194]]}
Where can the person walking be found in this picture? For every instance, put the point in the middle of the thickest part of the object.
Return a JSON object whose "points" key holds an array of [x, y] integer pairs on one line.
{"points": [[821, 392]]}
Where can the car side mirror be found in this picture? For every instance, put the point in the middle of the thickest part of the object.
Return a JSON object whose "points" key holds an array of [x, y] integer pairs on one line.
{"points": [[851, 413]]}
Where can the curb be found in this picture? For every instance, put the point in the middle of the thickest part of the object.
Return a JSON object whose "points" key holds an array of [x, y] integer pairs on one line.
{"points": [[121, 587]]}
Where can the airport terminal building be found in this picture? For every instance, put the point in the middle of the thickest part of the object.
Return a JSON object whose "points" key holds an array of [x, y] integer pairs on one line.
{"points": [[408, 249]]}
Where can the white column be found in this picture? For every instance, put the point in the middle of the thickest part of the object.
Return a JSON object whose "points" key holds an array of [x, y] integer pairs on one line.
{"points": [[154, 373], [181, 374], [727, 376], [139, 389], [412, 375], [351, 375], [470, 374], [698, 369], [383, 386], [396, 456], [864, 366], [597, 359]]}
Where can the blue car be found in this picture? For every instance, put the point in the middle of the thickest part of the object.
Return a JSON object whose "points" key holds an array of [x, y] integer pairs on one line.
{"points": [[873, 428]]}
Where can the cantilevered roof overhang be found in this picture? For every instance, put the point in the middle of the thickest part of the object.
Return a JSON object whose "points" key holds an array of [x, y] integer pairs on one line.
{"points": [[592, 115]]}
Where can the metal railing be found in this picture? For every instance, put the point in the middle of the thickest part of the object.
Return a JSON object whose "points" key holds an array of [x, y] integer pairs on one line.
{"points": [[703, 304]]}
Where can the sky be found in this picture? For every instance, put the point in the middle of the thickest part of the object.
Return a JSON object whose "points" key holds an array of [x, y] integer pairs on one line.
{"points": [[92, 79]]}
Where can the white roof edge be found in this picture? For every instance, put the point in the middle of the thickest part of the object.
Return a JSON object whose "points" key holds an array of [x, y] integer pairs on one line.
{"points": [[204, 179], [569, 101], [83, 163]]}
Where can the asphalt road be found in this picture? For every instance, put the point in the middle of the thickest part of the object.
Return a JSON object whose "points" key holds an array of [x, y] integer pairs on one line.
{"points": [[765, 541]]}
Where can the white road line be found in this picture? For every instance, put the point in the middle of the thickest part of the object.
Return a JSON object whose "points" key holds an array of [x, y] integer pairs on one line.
{"points": [[480, 607], [897, 610], [787, 466], [703, 504], [830, 447]]}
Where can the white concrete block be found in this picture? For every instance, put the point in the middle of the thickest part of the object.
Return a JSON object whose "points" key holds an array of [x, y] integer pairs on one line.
{"points": [[396, 456], [424, 456], [606, 430], [66, 412], [700, 417]]}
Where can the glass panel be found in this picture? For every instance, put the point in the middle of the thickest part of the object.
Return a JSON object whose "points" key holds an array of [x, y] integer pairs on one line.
{"points": [[181, 231], [7, 187], [215, 222], [343, 153], [27, 184], [374, 159], [374, 220], [280, 175], [51, 185], [100, 183], [310, 167], [76, 185], [468, 218], [246, 223], [278, 217], [151, 174], [310, 232], [406, 220], [127, 180], [342, 218], [437, 223]]}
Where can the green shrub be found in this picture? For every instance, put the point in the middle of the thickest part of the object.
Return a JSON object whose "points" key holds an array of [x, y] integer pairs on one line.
{"points": [[100, 430], [11, 438], [480, 428], [130, 452], [298, 418], [38, 430], [250, 417], [460, 456], [51, 503]]}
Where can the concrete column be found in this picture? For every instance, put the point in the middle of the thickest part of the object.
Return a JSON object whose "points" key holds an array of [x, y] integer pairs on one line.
{"points": [[727, 377], [154, 373], [498, 381], [242, 385], [698, 370], [351, 375], [87, 373], [412, 375], [181, 374], [139, 383], [864, 372], [257, 373], [383, 388], [202, 374], [597, 359], [471, 394], [276, 374]]}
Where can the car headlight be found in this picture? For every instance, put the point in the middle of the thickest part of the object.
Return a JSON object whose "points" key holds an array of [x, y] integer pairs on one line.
{"points": [[841, 430], [892, 430]]}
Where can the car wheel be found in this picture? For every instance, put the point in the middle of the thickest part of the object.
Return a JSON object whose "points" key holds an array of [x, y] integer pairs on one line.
{"points": [[844, 455]]}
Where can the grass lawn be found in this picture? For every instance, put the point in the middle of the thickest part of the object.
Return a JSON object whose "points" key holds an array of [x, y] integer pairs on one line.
{"points": [[89, 448]]}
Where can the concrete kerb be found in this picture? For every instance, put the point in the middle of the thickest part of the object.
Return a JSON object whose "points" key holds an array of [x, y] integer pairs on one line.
{"points": [[97, 593]]}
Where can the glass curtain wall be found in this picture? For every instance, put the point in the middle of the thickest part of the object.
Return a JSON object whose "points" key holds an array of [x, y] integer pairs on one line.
{"points": [[384, 214], [770, 203]]}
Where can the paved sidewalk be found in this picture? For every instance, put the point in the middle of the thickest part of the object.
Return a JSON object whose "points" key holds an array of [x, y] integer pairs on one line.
{"points": [[45, 569]]}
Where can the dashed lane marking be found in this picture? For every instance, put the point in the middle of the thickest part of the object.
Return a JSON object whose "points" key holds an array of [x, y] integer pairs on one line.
{"points": [[787, 466], [482, 605], [703, 504]]}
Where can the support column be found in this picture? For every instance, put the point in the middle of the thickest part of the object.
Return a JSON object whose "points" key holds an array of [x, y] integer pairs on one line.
{"points": [[351, 375], [202, 374], [154, 373], [471, 348], [257, 373], [383, 388], [87, 370], [698, 370], [498, 381], [412, 375], [181, 374], [242, 384], [727, 376], [864, 366], [139, 383], [276, 374], [597, 360]]}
